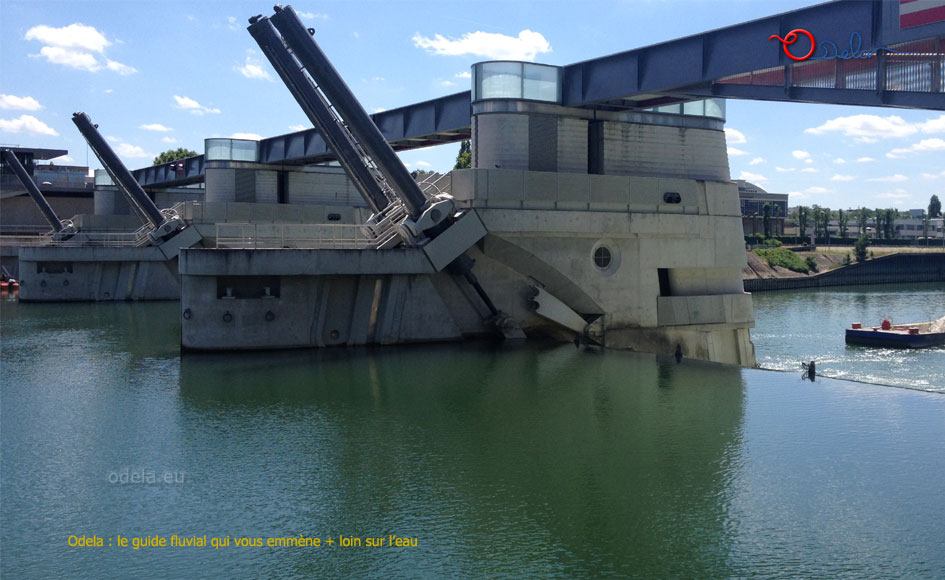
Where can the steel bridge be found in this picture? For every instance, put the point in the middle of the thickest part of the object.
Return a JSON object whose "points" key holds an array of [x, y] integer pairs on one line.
{"points": [[880, 53]]}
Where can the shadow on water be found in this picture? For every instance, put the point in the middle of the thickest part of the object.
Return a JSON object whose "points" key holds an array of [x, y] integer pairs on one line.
{"points": [[590, 463]]}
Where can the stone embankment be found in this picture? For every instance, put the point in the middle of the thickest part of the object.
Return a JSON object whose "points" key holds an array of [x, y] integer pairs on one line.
{"points": [[894, 268]]}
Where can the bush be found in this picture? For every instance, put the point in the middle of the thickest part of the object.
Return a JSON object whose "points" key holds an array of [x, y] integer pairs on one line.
{"points": [[774, 243], [784, 258], [811, 263], [859, 247], [846, 259]]}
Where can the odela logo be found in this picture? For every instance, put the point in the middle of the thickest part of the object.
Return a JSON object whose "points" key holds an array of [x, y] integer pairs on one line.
{"points": [[828, 50]]}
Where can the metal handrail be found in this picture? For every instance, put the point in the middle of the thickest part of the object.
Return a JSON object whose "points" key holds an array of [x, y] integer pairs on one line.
{"points": [[296, 236]]}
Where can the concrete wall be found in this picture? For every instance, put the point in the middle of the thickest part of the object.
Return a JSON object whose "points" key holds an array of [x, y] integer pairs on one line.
{"points": [[253, 183], [21, 211], [529, 141], [70, 274], [893, 269], [638, 149]]}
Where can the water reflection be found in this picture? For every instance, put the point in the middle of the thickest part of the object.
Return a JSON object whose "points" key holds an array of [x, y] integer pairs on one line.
{"points": [[569, 456]]}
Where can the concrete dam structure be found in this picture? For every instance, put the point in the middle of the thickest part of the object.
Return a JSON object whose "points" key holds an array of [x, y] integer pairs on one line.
{"points": [[614, 228]]}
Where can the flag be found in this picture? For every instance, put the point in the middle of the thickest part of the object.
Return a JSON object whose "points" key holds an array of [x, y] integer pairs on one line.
{"points": [[919, 12]]}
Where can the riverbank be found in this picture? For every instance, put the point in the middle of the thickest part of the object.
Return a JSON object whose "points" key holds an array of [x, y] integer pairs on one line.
{"points": [[887, 265]]}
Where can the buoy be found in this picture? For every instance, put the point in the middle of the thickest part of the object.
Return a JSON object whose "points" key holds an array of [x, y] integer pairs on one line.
{"points": [[886, 325], [857, 325]]}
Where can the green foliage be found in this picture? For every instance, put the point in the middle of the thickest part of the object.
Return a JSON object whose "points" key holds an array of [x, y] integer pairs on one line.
{"points": [[766, 220], [862, 218], [846, 259], [811, 263], [173, 155], [842, 219], [773, 242], [784, 258], [464, 157], [859, 247], [935, 206], [802, 216]]}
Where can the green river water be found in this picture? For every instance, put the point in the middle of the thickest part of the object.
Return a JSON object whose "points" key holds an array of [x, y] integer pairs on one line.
{"points": [[522, 460]]}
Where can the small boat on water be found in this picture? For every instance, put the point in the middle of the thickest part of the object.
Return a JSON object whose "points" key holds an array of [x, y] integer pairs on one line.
{"points": [[889, 335]]}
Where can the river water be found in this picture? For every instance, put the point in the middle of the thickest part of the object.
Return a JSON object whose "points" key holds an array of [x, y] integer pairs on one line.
{"points": [[803, 325], [528, 460]]}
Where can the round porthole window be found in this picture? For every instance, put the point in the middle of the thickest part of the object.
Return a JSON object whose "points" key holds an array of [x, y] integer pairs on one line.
{"points": [[602, 257]]}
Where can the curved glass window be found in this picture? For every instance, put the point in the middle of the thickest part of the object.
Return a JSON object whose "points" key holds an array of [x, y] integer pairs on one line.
{"points": [[231, 150], [516, 80]]}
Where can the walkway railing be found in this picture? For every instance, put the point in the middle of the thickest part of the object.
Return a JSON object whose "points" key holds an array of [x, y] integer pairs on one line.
{"points": [[301, 236]]}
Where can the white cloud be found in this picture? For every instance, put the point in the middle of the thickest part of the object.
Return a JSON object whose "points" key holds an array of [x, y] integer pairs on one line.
{"points": [[312, 16], [122, 69], [168, 140], [75, 46], [249, 136], [70, 58], [155, 127], [109, 91], [809, 170], [447, 83], [26, 124], [253, 69], [816, 189], [15, 103], [526, 46], [842, 178], [899, 195], [736, 152], [422, 164], [297, 127], [757, 161], [891, 179], [734, 136], [63, 159], [193, 106], [799, 154], [464, 75], [933, 125], [232, 23], [73, 36], [113, 139], [866, 128], [798, 195], [922, 146], [785, 169], [865, 160], [753, 177], [839, 161], [379, 109], [133, 151]]}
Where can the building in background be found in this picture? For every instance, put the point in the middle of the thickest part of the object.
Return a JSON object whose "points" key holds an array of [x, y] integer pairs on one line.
{"points": [[753, 199]]}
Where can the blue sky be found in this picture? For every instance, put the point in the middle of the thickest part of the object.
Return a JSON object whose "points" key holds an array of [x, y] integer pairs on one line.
{"points": [[159, 75]]}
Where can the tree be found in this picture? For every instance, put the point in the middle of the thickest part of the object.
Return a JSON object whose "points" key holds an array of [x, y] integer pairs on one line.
{"points": [[889, 224], [815, 215], [802, 221], [825, 223], [173, 155], [766, 220], [879, 216], [935, 206], [842, 218], [862, 219], [464, 157], [859, 247]]}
